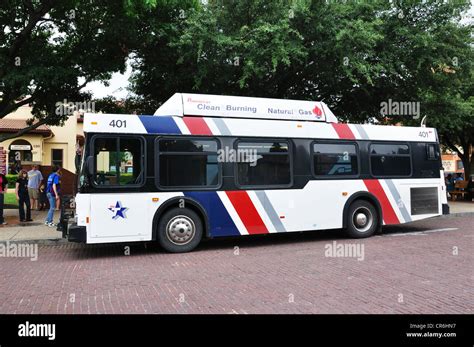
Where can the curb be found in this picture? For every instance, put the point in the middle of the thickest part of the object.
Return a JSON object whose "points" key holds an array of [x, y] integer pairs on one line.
{"points": [[38, 241], [458, 214]]}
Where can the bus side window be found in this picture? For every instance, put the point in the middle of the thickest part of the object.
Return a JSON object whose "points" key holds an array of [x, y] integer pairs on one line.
{"points": [[263, 163], [432, 151], [335, 159], [188, 162], [390, 159]]}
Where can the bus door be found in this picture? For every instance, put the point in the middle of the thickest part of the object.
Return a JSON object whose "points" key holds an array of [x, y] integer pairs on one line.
{"points": [[118, 209]]}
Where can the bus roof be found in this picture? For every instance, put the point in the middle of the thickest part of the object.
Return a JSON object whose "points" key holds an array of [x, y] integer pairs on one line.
{"points": [[263, 128], [205, 105]]}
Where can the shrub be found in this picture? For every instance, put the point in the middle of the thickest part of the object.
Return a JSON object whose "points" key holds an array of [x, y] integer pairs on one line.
{"points": [[11, 180]]}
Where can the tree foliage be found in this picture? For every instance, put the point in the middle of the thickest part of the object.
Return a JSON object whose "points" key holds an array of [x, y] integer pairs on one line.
{"points": [[352, 55], [50, 49]]}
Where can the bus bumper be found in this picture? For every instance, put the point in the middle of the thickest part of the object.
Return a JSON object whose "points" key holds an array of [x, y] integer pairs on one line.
{"points": [[76, 233], [445, 209]]}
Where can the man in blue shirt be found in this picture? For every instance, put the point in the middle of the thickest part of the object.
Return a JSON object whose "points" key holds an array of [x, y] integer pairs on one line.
{"points": [[52, 192]]}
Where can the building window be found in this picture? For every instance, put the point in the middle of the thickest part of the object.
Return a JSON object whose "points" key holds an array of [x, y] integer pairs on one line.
{"points": [[57, 157], [188, 163], [335, 159], [118, 161], [390, 160], [267, 163]]}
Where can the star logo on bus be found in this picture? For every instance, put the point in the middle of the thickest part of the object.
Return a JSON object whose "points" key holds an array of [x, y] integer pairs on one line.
{"points": [[119, 210]]}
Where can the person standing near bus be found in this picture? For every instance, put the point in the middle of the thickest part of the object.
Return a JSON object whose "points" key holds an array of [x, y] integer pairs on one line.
{"points": [[58, 200], [21, 191], [52, 193], [3, 191], [34, 181]]}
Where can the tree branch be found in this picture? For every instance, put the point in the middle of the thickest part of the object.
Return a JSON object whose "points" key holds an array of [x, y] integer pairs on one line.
{"points": [[10, 108], [32, 21], [452, 146], [25, 33]]}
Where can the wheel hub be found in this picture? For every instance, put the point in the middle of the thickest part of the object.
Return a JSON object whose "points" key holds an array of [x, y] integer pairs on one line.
{"points": [[362, 219], [180, 230]]}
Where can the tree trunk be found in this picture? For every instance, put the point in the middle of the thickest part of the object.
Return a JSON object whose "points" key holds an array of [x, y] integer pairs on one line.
{"points": [[467, 160]]}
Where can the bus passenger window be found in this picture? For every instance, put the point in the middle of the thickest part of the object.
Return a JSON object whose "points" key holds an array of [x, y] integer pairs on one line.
{"points": [[390, 160], [117, 161], [263, 164], [188, 163], [335, 159]]}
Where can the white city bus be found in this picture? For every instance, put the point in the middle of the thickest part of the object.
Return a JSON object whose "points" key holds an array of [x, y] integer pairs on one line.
{"points": [[207, 166]]}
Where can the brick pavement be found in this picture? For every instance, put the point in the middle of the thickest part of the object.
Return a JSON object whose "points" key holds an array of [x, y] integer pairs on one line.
{"points": [[400, 273]]}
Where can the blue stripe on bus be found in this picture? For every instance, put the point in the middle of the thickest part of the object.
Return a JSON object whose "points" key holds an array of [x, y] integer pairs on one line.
{"points": [[159, 125], [220, 222]]}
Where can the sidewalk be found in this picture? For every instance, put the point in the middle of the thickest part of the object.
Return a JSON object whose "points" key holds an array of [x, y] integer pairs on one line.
{"points": [[36, 230], [460, 207]]}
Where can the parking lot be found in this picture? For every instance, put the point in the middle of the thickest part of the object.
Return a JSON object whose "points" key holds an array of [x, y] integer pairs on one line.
{"points": [[422, 267]]}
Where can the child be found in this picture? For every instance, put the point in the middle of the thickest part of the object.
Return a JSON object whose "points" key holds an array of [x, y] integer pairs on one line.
{"points": [[42, 197]]}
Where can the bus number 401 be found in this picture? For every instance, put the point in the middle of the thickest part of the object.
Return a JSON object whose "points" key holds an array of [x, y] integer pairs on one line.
{"points": [[423, 134], [118, 123]]}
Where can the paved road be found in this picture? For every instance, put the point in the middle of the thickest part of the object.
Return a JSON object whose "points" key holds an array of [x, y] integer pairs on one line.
{"points": [[423, 267]]}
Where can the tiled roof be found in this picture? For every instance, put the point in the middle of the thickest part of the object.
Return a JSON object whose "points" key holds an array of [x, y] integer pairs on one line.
{"points": [[13, 125]]}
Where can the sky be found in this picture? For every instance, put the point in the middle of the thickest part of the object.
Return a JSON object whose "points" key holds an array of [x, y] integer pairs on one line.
{"points": [[117, 86], [119, 82]]}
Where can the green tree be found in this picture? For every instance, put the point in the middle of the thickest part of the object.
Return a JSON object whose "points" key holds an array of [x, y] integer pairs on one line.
{"points": [[50, 49], [128, 105], [352, 55], [231, 47]]}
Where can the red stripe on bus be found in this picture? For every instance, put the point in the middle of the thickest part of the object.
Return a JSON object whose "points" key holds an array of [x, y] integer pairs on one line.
{"points": [[375, 188], [343, 131], [197, 126], [247, 212]]}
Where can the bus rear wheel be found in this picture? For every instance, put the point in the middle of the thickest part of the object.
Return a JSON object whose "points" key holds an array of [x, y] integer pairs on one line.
{"points": [[179, 230], [362, 219]]}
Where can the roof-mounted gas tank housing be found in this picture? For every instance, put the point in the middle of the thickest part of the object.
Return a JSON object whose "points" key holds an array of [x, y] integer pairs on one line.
{"points": [[183, 104]]}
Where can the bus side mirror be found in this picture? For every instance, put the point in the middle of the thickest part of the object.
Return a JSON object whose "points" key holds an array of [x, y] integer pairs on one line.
{"points": [[90, 165]]}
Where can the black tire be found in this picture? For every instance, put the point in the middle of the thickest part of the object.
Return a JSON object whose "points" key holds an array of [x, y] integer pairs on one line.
{"points": [[178, 222], [354, 221]]}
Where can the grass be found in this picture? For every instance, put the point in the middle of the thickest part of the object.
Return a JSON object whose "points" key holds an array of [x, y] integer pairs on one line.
{"points": [[10, 199]]}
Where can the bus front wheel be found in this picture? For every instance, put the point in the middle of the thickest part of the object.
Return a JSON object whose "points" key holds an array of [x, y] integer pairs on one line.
{"points": [[362, 219], [179, 230]]}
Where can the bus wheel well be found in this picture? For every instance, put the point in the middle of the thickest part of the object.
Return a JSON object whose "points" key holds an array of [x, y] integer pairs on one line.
{"points": [[178, 203], [366, 196]]}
